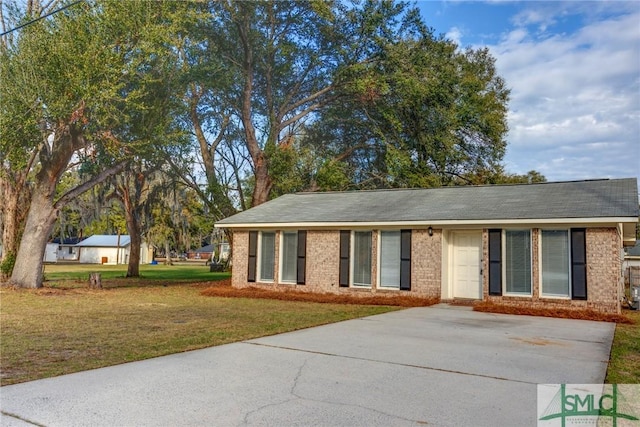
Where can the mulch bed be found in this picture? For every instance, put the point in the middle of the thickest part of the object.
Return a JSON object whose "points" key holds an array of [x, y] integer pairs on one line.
{"points": [[224, 289], [488, 307]]}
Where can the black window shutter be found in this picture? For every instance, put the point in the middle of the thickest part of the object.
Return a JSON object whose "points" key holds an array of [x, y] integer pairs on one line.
{"points": [[253, 252], [495, 262], [345, 246], [405, 260], [578, 264], [302, 255]]}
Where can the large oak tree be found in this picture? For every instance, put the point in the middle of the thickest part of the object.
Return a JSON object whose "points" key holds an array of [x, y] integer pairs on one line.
{"points": [[71, 83]]}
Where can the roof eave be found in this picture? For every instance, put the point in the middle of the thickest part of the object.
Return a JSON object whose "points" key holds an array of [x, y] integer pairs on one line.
{"points": [[602, 221]]}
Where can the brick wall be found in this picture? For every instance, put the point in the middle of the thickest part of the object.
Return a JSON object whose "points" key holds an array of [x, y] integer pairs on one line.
{"points": [[323, 255], [603, 275], [603, 269], [240, 267], [323, 260], [426, 263]]}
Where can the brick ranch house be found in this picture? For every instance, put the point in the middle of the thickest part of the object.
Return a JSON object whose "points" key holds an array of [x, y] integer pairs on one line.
{"points": [[556, 245]]}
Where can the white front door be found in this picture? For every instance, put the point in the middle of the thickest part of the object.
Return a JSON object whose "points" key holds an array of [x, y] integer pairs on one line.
{"points": [[467, 256]]}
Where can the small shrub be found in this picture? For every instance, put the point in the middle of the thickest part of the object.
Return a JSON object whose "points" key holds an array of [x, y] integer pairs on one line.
{"points": [[6, 266]]}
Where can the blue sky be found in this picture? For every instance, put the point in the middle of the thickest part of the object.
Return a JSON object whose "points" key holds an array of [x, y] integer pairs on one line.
{"points": [[574, 72]]}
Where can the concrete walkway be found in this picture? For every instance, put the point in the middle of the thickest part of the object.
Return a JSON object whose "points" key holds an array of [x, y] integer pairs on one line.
{"points": [[442, 365]]}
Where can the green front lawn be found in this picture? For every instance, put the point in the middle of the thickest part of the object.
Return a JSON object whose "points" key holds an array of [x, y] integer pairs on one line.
{"points": [[65, 327], [624, 363], [68, 328], [67, 274]]}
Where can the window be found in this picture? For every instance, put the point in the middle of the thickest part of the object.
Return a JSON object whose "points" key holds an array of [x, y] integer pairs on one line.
{"points": [[361, 266], [556, 262], [289, 256], [517, 261], [390, 259], [266, 257]]}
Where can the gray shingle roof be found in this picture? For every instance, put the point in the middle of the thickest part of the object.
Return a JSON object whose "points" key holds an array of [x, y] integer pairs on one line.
{"points": [[105, 241], [555, 200]]}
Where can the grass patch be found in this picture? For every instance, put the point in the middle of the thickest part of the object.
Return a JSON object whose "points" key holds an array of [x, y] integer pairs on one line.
{"points": [[59, 330], [77, 275], [66, 327], [624, 363]]}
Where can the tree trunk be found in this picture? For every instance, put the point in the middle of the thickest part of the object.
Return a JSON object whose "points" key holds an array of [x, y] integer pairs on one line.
{"points": [[14, 198], [133, 226], [95, 281], [27, 272], [9, 222], [263, 182], [167, 254]]}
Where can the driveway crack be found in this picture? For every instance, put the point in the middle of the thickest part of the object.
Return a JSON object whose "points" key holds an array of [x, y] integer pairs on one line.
{"points": [[294, 384], [296, 396], [407, 365], [17, 417]]}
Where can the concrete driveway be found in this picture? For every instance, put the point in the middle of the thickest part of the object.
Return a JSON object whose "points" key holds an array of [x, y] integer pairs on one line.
{"points": [[441, 365]]}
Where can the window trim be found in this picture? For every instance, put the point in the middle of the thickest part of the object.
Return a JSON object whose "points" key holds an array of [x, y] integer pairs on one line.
{"points": [[259, 277], [503, 247], [352, 259], [281, 258], [540, 246], [379, 284]]}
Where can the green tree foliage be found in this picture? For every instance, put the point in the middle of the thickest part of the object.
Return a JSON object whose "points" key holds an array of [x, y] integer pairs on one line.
{"points": [[423, 114], [244, 101], [297, 96], [87, 83], [258, 71]]}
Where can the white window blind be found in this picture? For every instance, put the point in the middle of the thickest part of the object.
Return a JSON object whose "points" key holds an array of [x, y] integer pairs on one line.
{"points": [[267, 255], [362, 258], [518, 261], [390, 259], [555, 262], [289, 255]]}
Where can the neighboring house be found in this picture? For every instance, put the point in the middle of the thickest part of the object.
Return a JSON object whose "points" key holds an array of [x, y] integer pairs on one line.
{"points": [[110, 249], [536, 245], [631, 265], [67, 250], [203, 253], [219, 250], [51, 252]]}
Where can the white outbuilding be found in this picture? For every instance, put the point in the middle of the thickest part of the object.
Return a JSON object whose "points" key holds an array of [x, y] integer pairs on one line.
{"points": [[110, 249]]}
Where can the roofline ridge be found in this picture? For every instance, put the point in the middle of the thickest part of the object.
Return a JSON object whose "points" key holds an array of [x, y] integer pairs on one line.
{"points": [[379, 190]]}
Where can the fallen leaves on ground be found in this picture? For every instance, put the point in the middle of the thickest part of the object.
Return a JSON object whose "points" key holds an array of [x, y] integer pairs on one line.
{"points": [[489, 307], [224, 289]]}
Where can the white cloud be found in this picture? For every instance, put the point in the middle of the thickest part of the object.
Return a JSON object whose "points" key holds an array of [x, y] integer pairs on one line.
{"points": [[455, 34], [575, 100]]}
